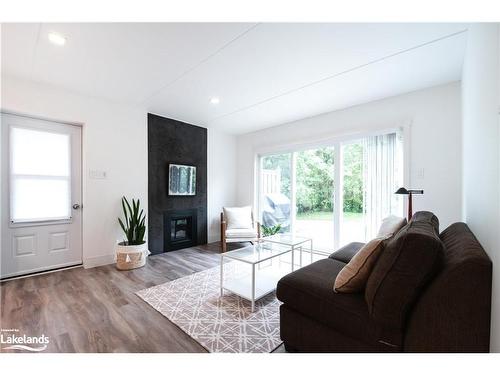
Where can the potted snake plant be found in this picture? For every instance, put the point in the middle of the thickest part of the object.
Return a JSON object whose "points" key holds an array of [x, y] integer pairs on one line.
{"points": [[132, 252]]}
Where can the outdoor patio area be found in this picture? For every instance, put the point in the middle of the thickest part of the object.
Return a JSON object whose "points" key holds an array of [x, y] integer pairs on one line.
{"points": [[320, 227]]}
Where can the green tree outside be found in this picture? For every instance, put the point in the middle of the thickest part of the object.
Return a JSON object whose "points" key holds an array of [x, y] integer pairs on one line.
{"points": [[314, 179], [353, 177]]}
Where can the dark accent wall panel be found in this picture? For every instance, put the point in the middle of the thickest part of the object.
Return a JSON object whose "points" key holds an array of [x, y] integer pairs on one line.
{"points": [[172, 141]]}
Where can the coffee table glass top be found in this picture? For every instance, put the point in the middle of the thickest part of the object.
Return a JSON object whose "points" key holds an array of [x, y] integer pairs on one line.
{"points": [[257, 253], [289, 239]]}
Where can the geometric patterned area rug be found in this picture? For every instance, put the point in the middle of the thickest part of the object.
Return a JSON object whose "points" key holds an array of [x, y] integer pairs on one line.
{"points": [[220, 324]]}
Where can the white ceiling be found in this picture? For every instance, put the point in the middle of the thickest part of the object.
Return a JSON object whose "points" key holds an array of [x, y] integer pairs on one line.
{"points": [[265, 74]]}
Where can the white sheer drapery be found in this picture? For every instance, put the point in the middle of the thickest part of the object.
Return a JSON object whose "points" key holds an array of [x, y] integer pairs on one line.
{"points": [[382, 176]]}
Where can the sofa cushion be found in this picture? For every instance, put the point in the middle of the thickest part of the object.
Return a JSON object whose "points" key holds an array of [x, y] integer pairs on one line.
{"points": [[453, 312], [345, 253], [238, 217], [241, 233], [303, 334], [427, 217], [309, 292], [391, 225], [409, 260], [353, 277]]}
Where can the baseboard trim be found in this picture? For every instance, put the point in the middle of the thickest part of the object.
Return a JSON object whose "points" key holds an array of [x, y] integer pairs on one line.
{"points": [[213, 238], [100, 260], [42, 272]]}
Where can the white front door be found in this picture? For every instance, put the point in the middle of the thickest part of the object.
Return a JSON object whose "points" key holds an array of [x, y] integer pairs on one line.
{"points": [[41, 193]]}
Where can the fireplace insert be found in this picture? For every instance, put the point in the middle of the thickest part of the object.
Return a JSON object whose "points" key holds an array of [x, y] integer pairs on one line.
{"points": [[180, 229]]}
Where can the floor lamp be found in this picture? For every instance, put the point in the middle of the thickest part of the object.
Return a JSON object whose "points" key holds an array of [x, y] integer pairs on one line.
{"points": [[410, 193]]}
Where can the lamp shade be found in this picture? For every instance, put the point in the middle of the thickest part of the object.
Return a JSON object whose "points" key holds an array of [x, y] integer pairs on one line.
{"points": [[402, 190]]}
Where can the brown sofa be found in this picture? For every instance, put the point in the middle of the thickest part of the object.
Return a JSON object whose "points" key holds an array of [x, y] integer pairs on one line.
{"points": [[428, 292]]}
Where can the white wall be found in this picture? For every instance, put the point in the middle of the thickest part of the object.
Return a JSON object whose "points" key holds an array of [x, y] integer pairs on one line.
{"points": [[115, 141], [110, 132], [221, 178], [481, 189], [435, 143]]}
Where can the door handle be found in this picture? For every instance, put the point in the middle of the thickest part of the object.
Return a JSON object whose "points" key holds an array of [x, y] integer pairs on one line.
{"points": [[76, 206]]}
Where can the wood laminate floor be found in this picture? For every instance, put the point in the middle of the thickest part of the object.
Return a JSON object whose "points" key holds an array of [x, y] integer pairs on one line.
{"points": [[96, 309]]}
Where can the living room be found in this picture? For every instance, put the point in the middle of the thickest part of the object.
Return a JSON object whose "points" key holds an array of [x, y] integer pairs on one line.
{"points": [[250, 187]]}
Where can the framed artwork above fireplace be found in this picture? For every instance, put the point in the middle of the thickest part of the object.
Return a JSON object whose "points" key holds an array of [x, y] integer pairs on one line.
{"points": [[181, 179]]}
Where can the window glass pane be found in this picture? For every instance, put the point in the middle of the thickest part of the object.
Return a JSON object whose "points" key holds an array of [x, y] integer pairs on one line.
{"points": [[353, 225], [372, 170], [314, 196], [40, 199], [36, 152], [382, 172], [275, 204]]}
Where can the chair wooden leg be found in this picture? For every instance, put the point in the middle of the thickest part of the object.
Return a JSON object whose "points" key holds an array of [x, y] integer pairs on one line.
{"points": [[224, 247]]}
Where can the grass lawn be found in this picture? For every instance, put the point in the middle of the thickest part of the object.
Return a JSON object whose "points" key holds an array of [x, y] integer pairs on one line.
{"points": [[326, 215]]}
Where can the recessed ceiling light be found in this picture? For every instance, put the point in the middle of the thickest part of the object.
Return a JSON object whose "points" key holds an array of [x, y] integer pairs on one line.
{"points": [[214, 100], [57, 39]]}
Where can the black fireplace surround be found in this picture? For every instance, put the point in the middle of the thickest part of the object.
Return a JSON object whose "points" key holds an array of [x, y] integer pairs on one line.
{"points": [[175, 142], [180, 229]]}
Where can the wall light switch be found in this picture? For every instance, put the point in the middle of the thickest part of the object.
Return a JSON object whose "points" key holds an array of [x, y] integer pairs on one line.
{"points": [[97, 175]]}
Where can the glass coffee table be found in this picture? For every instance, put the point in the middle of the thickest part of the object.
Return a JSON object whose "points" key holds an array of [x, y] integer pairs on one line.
{"points": [[257, 273], [293, 241]]}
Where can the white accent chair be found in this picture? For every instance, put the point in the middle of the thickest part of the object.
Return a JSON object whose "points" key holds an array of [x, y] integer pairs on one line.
{"points": [[237, 224]]}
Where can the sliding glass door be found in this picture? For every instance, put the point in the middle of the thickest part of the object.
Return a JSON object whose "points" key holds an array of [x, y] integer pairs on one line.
{"points": [[298, 189], [296, 194]]}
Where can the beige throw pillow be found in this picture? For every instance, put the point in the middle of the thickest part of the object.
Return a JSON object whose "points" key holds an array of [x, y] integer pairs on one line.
{"points": [[354, 276], [391, 225]]}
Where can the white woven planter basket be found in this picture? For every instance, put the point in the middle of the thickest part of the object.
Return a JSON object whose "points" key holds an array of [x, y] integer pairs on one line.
{"points": [[130, 257]]}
